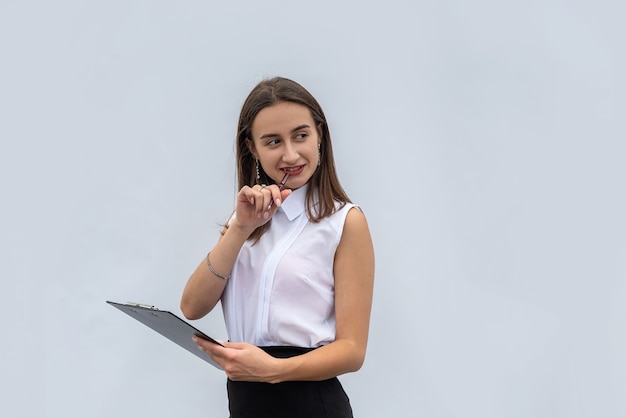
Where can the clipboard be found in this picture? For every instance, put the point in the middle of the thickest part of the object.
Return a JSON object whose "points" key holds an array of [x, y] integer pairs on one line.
{"points": [[168, 325]]}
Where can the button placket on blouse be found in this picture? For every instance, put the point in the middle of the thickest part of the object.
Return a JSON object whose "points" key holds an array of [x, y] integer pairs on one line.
{"points": [[268, 273]]}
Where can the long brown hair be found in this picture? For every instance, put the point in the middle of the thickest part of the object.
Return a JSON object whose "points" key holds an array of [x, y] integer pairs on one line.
{"points": [[324, 180]]}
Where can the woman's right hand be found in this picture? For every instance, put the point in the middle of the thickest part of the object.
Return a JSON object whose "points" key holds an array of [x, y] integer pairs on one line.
{"points": [[256, 205]]}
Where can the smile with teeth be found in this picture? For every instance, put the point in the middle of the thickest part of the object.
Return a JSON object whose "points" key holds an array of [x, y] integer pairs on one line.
{"points": [[292, 169]]}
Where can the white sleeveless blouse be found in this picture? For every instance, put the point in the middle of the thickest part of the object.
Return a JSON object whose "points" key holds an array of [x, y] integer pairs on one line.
{"points": [[281, 292]]}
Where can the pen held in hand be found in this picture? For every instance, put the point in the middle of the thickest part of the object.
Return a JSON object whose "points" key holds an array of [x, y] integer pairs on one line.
{"points": [[281, 186]]}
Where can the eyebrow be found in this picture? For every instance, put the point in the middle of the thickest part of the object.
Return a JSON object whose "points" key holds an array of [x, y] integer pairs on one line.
{"points": [[296, 129]]}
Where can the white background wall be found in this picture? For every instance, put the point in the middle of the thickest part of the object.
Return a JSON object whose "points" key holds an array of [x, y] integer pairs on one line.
{"points": [[484, 139]]}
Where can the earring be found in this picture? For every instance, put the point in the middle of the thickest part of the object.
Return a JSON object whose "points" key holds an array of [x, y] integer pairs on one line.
{"points": [[319, 154], [258, 176]]}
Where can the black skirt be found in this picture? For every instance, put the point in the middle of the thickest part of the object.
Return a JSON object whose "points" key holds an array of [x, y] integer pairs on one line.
{"points": [[298, 399]]}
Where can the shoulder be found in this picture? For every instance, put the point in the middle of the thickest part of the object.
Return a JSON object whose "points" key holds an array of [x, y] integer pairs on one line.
{"points": [[356, 221], [355, 248], [342, 209], [355, 216]]}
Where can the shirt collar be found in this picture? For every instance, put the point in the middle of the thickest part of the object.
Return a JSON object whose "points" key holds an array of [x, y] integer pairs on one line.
{"points": [[295, 203]]}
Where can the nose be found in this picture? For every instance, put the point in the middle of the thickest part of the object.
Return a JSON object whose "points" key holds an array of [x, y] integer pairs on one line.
{"points": [[290, 154]]}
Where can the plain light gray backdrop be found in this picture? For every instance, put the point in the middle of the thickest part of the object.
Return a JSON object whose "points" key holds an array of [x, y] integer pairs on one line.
{"points": [[484, 140]]}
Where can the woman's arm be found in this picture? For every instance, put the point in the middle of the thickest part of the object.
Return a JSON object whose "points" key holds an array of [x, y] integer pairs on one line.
{"points": [[204, 289], [354, 284]]}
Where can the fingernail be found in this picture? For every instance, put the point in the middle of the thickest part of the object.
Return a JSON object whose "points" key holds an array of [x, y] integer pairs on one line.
{"points": [[278, 202]]}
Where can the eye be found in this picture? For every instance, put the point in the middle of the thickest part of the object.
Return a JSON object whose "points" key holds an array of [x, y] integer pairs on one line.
{"points": [[302, 135], [272, 142]]}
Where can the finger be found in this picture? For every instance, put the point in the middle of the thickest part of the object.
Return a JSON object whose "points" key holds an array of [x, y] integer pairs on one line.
{"points": [[279, 196], [201, 342], [275, 197], [262, 200], [248, 194], [236, 346], [284, 194], [214, 351]]}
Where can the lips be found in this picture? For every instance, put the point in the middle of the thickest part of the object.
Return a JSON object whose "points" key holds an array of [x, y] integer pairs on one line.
{"points": [[293, 170]]}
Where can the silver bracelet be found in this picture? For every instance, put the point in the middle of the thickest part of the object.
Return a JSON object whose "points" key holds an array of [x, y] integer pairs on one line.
{"points": [[213, 270]]}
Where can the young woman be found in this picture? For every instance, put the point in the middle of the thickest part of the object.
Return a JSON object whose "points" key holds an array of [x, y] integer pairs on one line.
{"points": [[293, 269]]}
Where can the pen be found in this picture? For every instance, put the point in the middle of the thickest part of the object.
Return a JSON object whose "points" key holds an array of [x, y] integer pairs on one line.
{"points": [[281, 186]]}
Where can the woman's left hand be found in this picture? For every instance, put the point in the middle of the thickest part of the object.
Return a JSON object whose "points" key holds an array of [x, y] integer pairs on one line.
{"points": [[242, 361]]}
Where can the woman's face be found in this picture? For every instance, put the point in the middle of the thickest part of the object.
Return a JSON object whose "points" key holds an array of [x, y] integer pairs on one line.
{"points": [[285, 140]]}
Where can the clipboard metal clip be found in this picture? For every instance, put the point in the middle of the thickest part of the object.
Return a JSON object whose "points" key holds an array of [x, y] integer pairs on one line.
{"points": [[141, 305]]}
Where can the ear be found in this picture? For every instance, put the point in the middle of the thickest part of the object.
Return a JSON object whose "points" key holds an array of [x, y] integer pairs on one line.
{"points": [[251, 148], [319, 134]]}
